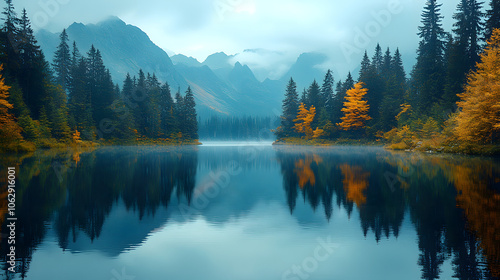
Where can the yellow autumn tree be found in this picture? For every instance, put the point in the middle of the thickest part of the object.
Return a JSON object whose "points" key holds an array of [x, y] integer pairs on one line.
{"points": [[10, 131], [355, 108], [304, 119], [318, 132], [479, 116]]}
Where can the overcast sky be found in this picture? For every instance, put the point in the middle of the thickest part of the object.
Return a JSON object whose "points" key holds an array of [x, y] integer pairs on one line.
{"points": [[280, 29]]}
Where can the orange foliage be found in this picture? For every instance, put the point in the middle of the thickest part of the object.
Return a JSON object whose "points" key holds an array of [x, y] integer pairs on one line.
{"points": [[479, 106], [355, 108], [76, 136], [318, 133], [355, 183], [304, 119], [9, 130]]}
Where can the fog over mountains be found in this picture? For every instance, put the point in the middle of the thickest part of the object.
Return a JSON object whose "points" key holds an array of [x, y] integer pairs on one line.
{"points": [[221, 85]]}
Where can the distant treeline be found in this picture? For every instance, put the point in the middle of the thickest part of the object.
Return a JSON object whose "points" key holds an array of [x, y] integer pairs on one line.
{"points": [[238, 128], [74, 98]]}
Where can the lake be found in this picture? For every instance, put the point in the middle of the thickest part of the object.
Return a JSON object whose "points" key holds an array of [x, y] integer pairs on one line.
{"points": [[252, 211]]}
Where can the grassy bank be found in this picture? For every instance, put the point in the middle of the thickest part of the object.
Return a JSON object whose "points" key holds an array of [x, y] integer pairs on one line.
{"points": [[433, 146], [426, 146], [48, 144]]}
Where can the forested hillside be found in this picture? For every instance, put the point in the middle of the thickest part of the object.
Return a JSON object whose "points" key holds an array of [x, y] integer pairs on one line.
{"points": [[73, 100], [449, 102]]}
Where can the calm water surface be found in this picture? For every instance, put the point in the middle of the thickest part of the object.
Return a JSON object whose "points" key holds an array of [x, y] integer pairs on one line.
{"points": [[253, 212]]}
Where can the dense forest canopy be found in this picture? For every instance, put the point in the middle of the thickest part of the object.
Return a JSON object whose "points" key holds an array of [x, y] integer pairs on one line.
{"points": [[73, 99], [450, 99]]}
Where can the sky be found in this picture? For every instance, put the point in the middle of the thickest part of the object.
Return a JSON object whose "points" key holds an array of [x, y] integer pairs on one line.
{"points": [[278, 30]]}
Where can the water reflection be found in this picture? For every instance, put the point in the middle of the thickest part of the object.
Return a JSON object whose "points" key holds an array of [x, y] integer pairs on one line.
{"points": [[431, 187], [112, 199]]}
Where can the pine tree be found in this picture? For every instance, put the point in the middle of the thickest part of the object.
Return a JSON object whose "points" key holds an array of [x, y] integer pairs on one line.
{"points": [[355, 109], [79, 102], [378, 59], [456, 73], [327, 89], [334, 111], [62, 61], [290, 107], [21, 112], [462, 52], [492, 18], [394, 95], [428, 72], [123, 109], [10, 18], [303, 97], [365, 67], [58, 113], [101, 87], [153, 108], [191, 118], [314, 95], [167, 112], [9, 42], [141, 99], [34, 69], [179, 111], [386, 66], [370, 75], [348, 83]]}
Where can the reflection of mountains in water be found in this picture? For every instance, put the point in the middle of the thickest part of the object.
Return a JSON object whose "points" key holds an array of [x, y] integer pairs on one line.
{"points": [[111, 199]]}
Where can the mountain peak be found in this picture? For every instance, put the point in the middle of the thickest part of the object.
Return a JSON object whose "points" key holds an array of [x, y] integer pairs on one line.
{"points": [[218, 60], [112, 19]]}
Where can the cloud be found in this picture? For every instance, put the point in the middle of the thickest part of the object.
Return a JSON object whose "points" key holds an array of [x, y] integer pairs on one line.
{"points": [[285, 28]]}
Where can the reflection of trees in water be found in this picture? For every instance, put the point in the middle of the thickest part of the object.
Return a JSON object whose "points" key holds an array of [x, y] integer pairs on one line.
{"points": [[81, 196], [455, 209], [431, 188], [355, 183]]}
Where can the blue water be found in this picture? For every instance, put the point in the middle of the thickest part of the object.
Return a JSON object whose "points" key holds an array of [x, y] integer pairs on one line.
{"points": [[254, 211]]}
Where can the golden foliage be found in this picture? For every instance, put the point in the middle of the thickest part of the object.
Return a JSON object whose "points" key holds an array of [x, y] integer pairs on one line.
{"points": [[479, 106], [318, 133], [404, 109], [355, 183], [355, 108], [76, 136], [304, 119], [10, 132]]}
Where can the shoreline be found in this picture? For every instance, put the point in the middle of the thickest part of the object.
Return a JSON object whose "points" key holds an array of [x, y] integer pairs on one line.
{"points": [[30, 147], [469, 150]]}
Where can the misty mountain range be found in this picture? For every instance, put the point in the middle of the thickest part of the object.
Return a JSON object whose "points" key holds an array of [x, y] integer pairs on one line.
{"points": [[220, 85]]}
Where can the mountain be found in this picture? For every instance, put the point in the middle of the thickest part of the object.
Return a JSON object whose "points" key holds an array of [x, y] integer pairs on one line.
{"points": [[306, 69], [120, 45], [218, 61], [188, 61], [219, 86]]}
